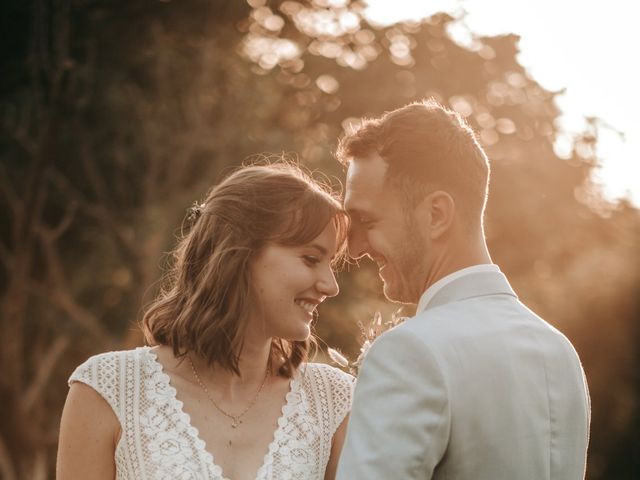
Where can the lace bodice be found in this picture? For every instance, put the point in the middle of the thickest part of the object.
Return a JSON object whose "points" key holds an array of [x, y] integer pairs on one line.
{"points": [[159, 442]]}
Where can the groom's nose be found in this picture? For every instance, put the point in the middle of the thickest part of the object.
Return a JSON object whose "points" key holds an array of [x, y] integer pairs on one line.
{"points": [[357, 243]]}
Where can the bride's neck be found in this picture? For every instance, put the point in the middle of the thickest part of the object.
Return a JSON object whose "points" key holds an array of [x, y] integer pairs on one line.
{"points": [[252, 364]]}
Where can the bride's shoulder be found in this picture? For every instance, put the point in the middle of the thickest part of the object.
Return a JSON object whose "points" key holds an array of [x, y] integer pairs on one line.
{"points": [[327, 372], [330, 390], [110, 361], [111, 375], [115, 355]]}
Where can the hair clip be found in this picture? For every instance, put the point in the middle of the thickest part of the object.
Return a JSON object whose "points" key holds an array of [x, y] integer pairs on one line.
{"points": [[194, 212]]}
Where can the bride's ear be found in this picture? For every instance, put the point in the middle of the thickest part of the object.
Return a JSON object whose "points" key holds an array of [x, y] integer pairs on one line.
{"points": [[438, 211]]}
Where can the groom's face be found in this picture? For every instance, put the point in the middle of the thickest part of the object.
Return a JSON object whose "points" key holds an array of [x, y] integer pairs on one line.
{"points": [[385, 229]]}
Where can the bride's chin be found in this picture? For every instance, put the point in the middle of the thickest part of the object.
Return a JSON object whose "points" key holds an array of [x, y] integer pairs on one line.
{"points": [[304, 334]]}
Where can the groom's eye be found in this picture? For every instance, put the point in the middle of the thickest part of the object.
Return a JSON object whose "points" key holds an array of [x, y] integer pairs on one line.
{"points": [[366, 222]]}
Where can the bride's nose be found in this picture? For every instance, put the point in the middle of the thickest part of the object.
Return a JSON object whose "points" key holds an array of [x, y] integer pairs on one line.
{"points": [[327, 284]]}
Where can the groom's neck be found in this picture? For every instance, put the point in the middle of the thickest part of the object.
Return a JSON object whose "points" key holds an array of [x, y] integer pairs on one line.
{"points": [[456, 254]]}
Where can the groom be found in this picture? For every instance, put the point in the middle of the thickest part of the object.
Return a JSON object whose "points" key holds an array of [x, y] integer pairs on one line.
{"points": [[475, 386]]}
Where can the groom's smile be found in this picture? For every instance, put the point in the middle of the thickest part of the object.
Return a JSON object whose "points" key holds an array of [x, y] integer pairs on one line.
{"points": [[379, 228], [381, 267]]}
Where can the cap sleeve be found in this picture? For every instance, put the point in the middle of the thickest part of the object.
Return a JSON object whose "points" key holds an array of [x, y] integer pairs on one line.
{"points": [[104, 373], [340, 386]]}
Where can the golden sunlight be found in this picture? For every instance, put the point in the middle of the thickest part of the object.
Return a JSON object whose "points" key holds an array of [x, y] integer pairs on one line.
{"points": [[562, 50]]}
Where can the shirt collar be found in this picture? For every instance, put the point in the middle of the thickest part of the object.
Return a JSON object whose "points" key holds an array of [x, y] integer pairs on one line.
{"points": [[430, 292]]}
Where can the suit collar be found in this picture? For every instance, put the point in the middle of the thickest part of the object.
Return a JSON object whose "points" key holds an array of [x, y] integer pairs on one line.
{"points": [[472, 284]]}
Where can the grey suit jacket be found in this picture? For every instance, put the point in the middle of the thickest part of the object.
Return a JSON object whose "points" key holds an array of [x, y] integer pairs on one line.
{"points": [[475, 387]]}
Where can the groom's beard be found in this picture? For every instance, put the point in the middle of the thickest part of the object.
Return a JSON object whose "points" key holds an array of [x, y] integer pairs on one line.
{"points": [[406, 279]]}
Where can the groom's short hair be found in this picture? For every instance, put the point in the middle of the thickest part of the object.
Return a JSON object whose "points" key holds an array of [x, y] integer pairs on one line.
{"points": [[427, 147]]}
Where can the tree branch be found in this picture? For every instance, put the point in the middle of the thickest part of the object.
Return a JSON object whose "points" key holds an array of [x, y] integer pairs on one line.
{"points": [[40, 465], [43, 374], [77, 313], [9, 192], [6, 465], [70, 210], [129, 249], [93, 175], [5, 257]]}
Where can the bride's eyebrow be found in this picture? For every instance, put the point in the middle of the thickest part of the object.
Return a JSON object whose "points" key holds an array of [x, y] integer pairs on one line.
{"points": [[319, 248]]}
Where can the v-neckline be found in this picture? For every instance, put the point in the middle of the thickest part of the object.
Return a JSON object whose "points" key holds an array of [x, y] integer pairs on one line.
{"points": [[199, 444]]}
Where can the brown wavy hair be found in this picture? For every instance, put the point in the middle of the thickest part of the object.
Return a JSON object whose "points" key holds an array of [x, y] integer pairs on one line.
{"points": [[426, 146], [207, 295]]}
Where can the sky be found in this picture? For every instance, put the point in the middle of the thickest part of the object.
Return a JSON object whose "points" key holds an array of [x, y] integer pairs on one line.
{"points": [[585, 47]]}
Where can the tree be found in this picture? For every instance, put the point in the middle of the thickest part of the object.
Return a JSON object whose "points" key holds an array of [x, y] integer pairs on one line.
{"points": [[118, 115]]}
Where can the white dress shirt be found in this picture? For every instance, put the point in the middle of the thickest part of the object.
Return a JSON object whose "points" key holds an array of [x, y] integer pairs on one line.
{"points": [[437, 286]]}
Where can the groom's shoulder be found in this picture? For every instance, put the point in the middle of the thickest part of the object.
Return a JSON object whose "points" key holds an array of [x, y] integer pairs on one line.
{"points": [[408, 343], [476, 317], [432, 323], [425, 337], [434, 328], [414, 332]]}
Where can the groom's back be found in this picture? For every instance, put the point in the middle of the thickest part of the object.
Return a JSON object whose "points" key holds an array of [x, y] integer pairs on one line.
{"points": [[516, 392]]}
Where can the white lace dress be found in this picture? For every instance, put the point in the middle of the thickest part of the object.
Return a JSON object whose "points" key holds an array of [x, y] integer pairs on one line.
{"points": [[158, 441]]}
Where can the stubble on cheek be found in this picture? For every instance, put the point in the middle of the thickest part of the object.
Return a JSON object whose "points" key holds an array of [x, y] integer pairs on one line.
{"points": [[410, 264]]}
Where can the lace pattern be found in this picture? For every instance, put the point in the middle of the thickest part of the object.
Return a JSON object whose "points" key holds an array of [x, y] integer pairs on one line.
{"points": [[159, 442]]}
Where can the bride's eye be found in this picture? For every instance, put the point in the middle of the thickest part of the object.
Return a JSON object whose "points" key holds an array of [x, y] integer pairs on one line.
{"points": [[311, 260]]}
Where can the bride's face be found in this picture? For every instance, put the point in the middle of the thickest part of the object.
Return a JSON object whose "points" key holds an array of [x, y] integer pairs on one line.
{"points": [[290, 282]]}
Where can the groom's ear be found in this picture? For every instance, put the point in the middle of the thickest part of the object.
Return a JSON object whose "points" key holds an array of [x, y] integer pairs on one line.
{"points": [[438, 210]]}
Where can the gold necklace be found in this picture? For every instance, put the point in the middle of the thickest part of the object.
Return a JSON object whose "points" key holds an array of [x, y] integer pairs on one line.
{"points": [[235, 423]]}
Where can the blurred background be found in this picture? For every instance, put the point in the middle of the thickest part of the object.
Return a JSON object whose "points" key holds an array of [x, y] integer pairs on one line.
{"points": [[116, 115]]}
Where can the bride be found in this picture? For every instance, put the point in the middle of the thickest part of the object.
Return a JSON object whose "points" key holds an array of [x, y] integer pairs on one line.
{"points": [[224, 390]]}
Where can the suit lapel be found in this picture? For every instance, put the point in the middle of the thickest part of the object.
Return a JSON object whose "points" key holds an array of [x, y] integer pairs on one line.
{"points": [[477, 284]]}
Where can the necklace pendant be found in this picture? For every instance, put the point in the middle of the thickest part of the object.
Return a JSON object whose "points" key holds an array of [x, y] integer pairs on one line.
{"points": [[235, 423]]}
